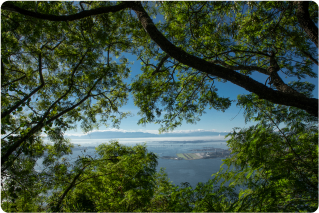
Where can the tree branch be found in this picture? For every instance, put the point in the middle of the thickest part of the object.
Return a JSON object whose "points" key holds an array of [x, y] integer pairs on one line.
{"points": [[74, 106], [242, 67], [264, 92], [14, 107], [18, 79], [86, 13], [310, 57], [84, 2], [57, 207], [160, 64], [52, 48], [3, 72], [275, 78], [244, 51], [305, 21], [41, 124], [67, 92], [73, 183]]}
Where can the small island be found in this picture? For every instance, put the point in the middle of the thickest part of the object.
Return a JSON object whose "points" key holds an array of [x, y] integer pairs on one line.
{"points": [[208, 154]]}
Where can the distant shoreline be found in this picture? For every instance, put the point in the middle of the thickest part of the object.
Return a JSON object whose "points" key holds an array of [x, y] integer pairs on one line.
{"points": [[200, 155]]}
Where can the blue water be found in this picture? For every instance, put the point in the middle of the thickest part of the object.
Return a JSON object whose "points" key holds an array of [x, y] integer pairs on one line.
{"points": [[192, 171]]}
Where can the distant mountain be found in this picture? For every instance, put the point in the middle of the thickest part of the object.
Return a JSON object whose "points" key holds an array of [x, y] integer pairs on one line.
{"points": [[121, 134]]}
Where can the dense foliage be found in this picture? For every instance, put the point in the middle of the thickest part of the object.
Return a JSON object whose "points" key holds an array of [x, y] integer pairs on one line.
{"points": [[276, 160], [63, 64]]}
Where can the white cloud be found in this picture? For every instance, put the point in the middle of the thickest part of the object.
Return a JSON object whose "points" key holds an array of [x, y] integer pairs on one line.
{"points": [[106, 130], [148, 131], [190, 131]]}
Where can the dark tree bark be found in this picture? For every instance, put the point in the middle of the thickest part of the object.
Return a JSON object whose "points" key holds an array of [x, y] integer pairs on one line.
{"points": [[305, 21], [101, 10]]}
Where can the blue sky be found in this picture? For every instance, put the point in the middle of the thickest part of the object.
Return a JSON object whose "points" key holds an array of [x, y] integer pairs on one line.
{"points": [[213, 120]]}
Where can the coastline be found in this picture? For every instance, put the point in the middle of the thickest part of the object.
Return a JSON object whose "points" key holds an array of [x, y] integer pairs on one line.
{"points": [[200, 155]]}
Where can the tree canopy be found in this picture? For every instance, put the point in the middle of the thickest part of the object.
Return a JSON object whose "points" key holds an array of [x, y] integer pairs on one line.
{"points": [[59, 67]]}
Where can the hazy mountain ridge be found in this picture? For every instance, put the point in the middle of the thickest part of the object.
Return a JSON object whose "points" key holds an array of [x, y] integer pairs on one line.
{"points": [[119, 134]]}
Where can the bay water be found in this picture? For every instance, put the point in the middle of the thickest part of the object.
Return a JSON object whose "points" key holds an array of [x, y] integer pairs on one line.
{"points": [[191, 171]]}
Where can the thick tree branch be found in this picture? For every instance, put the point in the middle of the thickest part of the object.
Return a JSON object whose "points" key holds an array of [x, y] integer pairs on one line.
{"points": [[264, 92], [281, 86], [305, 21], [2, 69], [310, 57], [86, 13], [275, 78]]}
